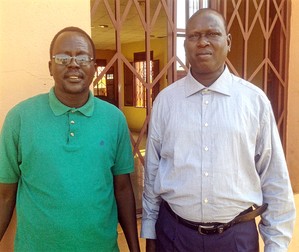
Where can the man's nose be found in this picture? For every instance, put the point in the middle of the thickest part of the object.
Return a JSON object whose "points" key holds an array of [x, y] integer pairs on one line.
{"points": [[73, 62], [203, 41]]}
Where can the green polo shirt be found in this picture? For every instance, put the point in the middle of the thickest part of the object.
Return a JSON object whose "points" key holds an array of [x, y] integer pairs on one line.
{"points": [[64, 160]]}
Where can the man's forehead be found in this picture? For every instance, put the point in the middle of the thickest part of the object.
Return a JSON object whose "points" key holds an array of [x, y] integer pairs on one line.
{"points": [[72, 37], [207, 20], [71, 34]]}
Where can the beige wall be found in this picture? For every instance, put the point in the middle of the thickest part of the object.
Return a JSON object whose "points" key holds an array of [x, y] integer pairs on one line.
{"points": [[293, 101], [26, 30]]}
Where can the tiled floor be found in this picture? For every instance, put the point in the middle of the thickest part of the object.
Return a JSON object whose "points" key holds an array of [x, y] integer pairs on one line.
{"points": [[294, 246]]}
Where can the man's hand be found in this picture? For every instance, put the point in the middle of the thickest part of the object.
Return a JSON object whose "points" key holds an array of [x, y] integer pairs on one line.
{"points": [[150, 245]]}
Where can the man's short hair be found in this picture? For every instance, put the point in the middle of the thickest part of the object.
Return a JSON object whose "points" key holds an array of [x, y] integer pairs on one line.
{"points": [[72, 29]]}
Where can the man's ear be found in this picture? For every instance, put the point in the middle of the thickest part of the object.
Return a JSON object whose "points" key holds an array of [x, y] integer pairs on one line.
{"points": [[50, 67], [229, 41]]}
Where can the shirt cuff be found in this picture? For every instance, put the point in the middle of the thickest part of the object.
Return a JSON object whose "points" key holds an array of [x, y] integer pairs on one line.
{"points": [[148, 229]]}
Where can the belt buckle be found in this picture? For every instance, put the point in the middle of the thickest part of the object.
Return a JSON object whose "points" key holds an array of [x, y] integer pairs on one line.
{"points": [[201, 228], [217, 229]]}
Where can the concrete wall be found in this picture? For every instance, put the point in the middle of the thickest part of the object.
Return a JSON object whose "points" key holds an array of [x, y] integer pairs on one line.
{"points": [[26, 30], [292, 150]]}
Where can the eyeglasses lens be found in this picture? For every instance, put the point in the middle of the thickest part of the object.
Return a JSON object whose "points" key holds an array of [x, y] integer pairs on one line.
{"points": [[81, 60]]}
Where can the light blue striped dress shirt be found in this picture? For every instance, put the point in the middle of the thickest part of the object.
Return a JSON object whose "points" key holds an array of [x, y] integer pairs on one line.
{"points": [[213, 152]]}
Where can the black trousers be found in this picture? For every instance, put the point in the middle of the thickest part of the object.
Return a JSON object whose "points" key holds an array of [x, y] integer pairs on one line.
{"points": [[175, 237]]}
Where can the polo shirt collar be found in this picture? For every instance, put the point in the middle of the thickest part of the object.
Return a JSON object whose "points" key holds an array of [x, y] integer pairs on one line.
{"points": [[222, 85], [59, 108]]}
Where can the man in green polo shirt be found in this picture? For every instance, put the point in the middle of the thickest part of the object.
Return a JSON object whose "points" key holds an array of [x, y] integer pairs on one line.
{"points": [[65, 159]]}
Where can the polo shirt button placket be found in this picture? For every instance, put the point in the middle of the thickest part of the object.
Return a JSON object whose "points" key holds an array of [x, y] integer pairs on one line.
{"points": [[71, 126], [72, 122]]}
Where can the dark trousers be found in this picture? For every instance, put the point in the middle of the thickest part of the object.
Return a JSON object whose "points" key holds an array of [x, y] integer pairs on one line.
{"points": [[175, 237]]}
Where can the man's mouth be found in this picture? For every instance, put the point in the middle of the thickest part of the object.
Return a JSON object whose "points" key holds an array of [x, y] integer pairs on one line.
{"points": [[74, 77], [204, 54]]}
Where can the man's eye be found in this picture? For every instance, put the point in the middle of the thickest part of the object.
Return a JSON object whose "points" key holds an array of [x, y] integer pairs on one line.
{"points": [[82, 58], [62, 59], [193, 37], [213, 34]]}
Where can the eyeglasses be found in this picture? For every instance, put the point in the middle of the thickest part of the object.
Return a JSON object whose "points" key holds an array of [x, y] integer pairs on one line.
{"points": [[64, 59]]}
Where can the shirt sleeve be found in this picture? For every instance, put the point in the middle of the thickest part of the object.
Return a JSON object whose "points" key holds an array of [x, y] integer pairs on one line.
{"points": [[150, 200], [124, 162], [277, 222], [9, 145]]}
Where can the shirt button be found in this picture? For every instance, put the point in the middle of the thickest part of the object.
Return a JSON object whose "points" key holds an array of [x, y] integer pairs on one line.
{"points": [[206, 102], [206, 200], [206, 174], [72, 122], [72, 134], [206, 148], [206, 124]]}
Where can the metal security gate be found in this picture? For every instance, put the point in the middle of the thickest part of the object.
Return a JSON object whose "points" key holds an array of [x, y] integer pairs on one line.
{"points": [[262, 29], [260, 45], [154, 20]]}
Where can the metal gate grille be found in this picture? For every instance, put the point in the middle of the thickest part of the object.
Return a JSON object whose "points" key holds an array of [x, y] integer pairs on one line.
{"points": [[260, 28], [146, 13], [260, 32]]}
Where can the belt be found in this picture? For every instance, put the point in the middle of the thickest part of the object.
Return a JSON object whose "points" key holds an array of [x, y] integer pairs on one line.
{"points": [[216, 227]]}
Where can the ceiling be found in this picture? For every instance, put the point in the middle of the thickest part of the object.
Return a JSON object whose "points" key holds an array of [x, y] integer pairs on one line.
{"points": [[102, 29]]}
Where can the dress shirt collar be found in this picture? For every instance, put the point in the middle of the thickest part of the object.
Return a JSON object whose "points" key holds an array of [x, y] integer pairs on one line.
{"points": [[222, 85], [59, 108]]}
